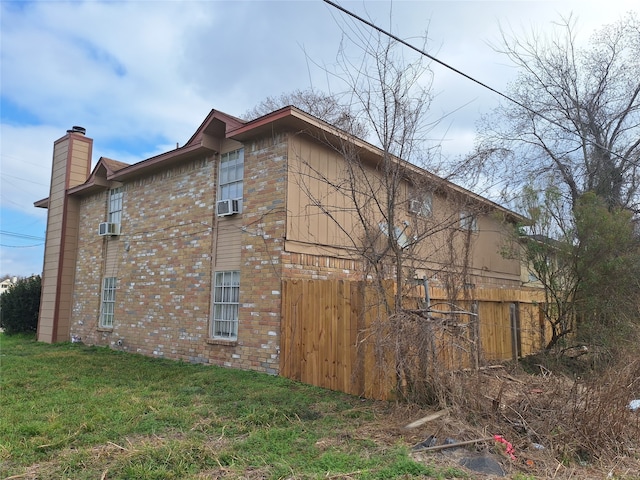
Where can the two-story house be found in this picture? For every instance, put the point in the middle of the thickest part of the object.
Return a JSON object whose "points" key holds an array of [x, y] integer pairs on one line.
{"points": [[183, 255]]}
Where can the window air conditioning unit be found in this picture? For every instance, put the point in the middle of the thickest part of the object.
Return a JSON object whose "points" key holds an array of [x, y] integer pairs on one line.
{"points": [[227, 207], [108, 229]]}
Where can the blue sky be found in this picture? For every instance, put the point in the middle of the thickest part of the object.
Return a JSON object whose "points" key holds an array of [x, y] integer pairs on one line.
{"points": [[141, 76]]}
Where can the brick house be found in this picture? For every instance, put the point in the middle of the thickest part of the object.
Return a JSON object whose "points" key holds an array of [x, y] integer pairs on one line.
{"points": [[183, 255]]}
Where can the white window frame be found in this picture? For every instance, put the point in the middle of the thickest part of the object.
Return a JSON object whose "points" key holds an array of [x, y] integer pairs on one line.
{"points": [[116, 196], [468, 221], [231, 176], [226, 305], [108, 302], [422, 206]]}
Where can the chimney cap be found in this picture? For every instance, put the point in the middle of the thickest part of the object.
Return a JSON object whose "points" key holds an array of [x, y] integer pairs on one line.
{"points": [[77, 129]]}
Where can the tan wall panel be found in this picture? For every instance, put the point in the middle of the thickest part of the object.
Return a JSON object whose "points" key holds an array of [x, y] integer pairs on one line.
{"points": [[77, 178], [113, 249], [229, 243], [45, 336], [59, 176], [70, 155], [311, 163], [315, 207], [61, 149], [229, 145]]}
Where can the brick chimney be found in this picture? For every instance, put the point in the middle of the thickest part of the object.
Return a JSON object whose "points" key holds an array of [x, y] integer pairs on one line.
{"points": [[71, 167]]}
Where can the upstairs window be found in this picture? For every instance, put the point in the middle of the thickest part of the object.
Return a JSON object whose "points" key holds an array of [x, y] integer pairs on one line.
{"points": [[468, 221], [231, 175], [422, 206], [115, 205]]}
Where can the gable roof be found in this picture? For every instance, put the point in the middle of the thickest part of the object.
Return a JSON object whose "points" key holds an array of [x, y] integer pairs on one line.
{"points": [[111, 165], [297, 120], [219, 125], [106, 167]]}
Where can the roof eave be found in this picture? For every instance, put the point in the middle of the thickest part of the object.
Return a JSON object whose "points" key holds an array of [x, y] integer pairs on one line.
{"points": [[160, 161], [298, 120], [44, 203]]}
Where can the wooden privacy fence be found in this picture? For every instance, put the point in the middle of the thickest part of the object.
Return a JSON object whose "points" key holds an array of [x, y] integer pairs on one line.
{"points": [[329, 330]]}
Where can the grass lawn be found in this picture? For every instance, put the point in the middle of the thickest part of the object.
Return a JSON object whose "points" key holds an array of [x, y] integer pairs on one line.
{"points": [[78, 412]]}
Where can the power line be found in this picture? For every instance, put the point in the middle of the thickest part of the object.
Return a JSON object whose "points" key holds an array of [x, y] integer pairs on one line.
{"points": [[20, 235], [469, 77], [21, 246], [24, 179]]}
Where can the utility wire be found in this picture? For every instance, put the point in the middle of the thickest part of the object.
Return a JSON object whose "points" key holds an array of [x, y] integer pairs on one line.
{"points": [[20, 235], [469, 77], [24, 179], [21, 246]]}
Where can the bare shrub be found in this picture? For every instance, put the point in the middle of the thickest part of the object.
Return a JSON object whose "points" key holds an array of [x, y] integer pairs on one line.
{"points": [[421, 350], [577, 419]]}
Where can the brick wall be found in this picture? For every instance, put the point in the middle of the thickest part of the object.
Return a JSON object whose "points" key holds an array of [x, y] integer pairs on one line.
{"points": [[162, 262], [263, 221], [88, 274], [317, 267]]}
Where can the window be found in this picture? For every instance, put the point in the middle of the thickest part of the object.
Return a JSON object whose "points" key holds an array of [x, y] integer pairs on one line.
{"points": [[468, 221], [225, 305], [231, 175], [421, 206], [115, 205], [108, 302]]}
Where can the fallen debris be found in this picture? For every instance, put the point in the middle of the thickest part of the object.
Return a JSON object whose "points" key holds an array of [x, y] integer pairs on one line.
{"points": [[484, 464], [453, 445], [428, 418]]}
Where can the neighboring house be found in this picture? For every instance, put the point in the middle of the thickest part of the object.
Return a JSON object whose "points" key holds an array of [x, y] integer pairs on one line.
{"points": [[539, 254], [183, 255], [6, 284]]}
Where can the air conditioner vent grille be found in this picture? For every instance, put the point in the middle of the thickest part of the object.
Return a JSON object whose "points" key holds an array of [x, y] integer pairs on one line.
{"points": [[108, 229], [227, 207]]}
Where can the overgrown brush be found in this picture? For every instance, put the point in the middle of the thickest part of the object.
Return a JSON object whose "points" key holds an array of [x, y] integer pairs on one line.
{"points": [[578, 419], [417, 355], [578, 408]]}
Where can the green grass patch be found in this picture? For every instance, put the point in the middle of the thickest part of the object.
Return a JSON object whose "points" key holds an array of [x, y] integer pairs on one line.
{"points": [[72, 411]]}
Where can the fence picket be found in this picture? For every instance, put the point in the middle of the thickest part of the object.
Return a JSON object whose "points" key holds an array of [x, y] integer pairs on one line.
{"points": [[324, 321]]}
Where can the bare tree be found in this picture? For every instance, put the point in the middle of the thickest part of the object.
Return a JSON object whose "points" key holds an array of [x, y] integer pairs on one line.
{"points": [[318, 103], [382, 202], [576, 123], [568, 144]]}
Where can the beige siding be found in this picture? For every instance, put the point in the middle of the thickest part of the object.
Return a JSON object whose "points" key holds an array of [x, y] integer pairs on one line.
{"points": [[113, 247], [316, 208], [79, 169], [71, 164], [322, 220], [229, 242]]}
